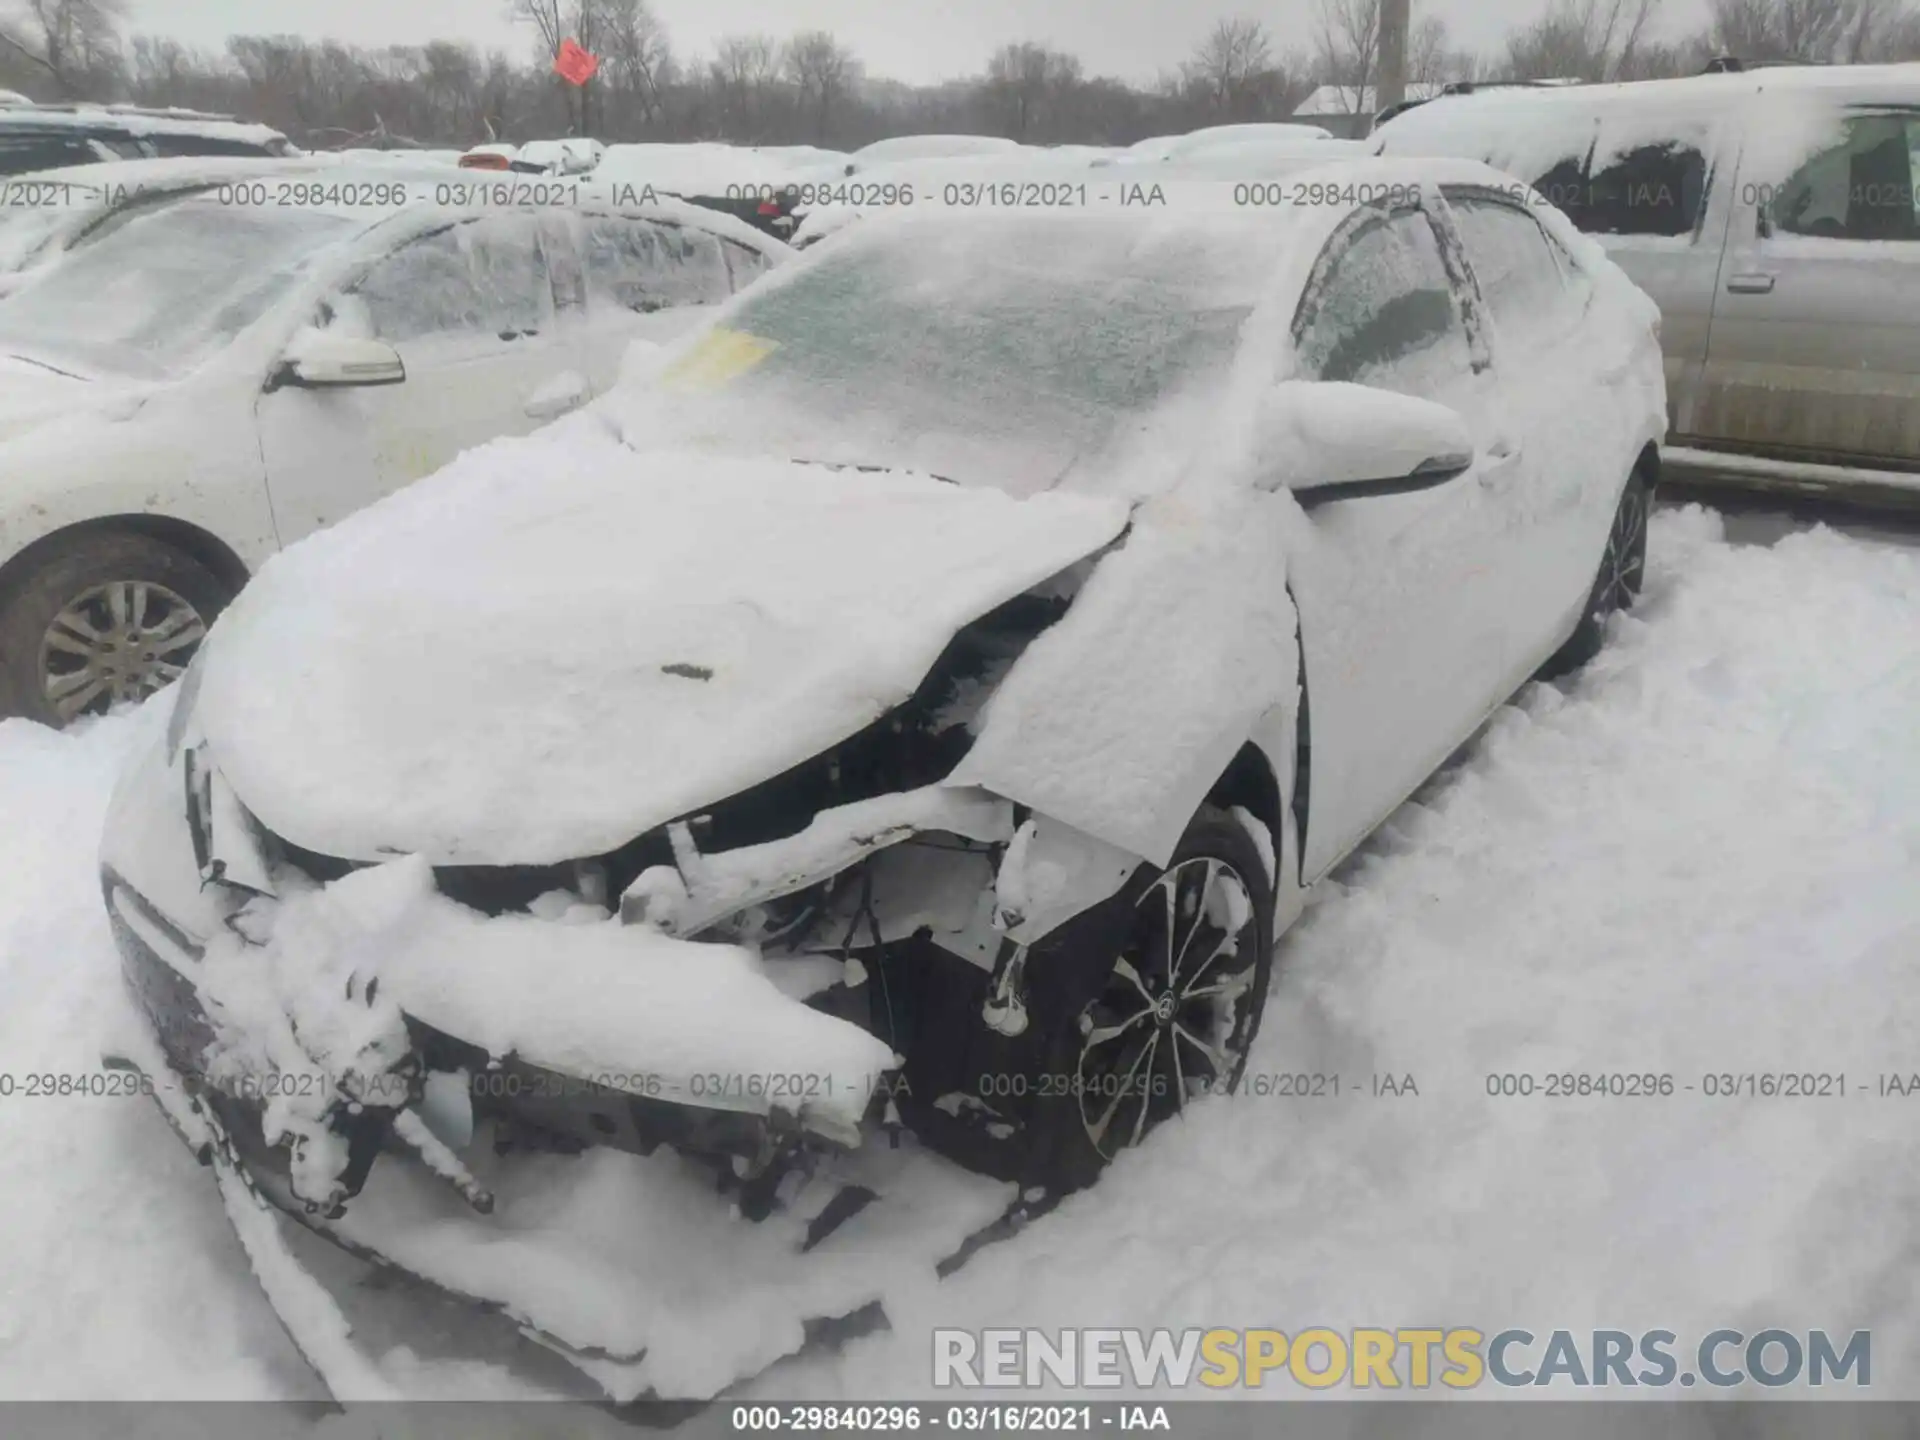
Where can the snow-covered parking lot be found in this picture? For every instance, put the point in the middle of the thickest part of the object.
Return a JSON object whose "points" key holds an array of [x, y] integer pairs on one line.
{"points": [[1697, 859]]}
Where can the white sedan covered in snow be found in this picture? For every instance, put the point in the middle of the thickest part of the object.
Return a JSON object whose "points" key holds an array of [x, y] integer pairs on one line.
{"points": [[920, 698], [233, 371]]}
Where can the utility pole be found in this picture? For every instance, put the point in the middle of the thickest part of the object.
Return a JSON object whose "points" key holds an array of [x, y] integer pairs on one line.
{"points": [[1395, 21]]}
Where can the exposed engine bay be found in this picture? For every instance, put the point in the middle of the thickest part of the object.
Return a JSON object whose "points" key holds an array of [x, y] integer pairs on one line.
{"points": [[870, 891]]}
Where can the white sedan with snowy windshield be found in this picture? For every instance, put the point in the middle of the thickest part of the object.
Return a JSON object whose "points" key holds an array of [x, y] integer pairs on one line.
{"points": [[912, 706], [226, 373]]}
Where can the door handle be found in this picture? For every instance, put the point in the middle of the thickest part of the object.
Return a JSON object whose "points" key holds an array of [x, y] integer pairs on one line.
{"points": [[1502, 455], [1753, 283]]}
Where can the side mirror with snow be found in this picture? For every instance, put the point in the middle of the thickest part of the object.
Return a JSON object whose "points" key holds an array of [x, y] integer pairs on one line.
{"points": [[1326, 441], [321, 359]]}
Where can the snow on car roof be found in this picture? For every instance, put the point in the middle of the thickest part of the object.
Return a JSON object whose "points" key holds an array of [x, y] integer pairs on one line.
{"points": [[107, 178], [1528, 131], [695, 168], [1232, 134], [1198, 189], [929, 147], [53, 205], [131, 123]]}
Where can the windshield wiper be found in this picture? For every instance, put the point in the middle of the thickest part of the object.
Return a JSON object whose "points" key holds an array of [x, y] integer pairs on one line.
{"points": [[28, 359]]}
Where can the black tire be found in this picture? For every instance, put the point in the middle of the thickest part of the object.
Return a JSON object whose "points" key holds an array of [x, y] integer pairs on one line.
{"points": [[1086, 1080], [132, 655], [1623, 569]]}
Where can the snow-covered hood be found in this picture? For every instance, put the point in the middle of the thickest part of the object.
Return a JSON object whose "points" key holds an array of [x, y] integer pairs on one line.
{"points": [[556, 644]]}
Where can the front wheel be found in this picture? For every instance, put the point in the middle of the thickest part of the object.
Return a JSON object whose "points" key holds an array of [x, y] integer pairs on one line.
{"points": [[1623, 569], [106, 618], [1175, 1010]]}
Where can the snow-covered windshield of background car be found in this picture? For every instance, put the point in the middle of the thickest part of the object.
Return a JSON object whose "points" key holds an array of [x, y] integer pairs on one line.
{"points": [[1005, 351], [158, 296]]}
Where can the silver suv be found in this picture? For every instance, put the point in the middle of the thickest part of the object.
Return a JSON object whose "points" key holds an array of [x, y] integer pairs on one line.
{"points": [[1774, 215]]}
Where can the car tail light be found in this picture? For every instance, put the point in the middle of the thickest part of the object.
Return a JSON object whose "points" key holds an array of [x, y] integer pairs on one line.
{"points": [[483, 162], [769, 207]]}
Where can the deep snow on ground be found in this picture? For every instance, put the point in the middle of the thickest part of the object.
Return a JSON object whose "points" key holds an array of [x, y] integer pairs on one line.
{"points": [[1700, 856]]}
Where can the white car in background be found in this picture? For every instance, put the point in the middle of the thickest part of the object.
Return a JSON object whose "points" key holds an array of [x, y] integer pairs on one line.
{"points": [[897, 148], [571, 156], [921, 698], [221, 377]]}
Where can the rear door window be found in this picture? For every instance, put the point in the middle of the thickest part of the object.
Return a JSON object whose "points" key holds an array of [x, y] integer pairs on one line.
{"points": [[1523, 276], [646, 265], [1865, 187]]}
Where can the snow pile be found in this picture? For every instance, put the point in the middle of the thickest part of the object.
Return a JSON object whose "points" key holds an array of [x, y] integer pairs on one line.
{"points": [[655, 633], [119, 1277]]}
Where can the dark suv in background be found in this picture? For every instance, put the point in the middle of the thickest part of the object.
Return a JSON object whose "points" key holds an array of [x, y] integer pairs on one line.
{"points": [[45, 137]]}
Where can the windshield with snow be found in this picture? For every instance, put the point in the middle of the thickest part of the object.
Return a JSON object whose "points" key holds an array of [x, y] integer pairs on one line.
{"points": [[1004, 352], [159, 295]]}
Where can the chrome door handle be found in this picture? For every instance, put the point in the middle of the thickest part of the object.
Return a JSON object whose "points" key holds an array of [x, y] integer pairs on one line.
{"points": [[1750, 284]]}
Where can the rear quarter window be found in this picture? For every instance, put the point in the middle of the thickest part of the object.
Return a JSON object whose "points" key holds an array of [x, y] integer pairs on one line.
{"points": [[1653, 189]]}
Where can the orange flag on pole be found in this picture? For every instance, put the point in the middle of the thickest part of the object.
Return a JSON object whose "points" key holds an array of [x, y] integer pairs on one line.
{"points": [[573, 64]]}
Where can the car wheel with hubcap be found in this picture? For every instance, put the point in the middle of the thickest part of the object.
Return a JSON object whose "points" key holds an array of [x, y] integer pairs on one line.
{"points": [[1175, 1010], [108, 618]]}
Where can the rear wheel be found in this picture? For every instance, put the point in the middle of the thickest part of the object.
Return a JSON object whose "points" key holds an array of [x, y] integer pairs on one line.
{"points": [[104, 619], [1175, 1010], [1623, 569]]}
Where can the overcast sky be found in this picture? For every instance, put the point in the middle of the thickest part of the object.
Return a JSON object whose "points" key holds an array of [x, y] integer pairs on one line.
{"points": [[915, 40]]}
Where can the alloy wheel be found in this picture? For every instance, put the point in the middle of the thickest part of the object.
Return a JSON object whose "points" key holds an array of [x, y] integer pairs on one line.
{"points": [[1623, 566], [1171, 1025], [117, 642]]}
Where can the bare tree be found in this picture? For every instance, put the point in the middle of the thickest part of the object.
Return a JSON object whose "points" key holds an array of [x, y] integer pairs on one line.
{"points": [[1233, 72], [554, 21], [1582, 39], [1810, 30], [639, 61], [823, 71], [743, 74], [1348, 49], [1026, 86], [75, 43]]}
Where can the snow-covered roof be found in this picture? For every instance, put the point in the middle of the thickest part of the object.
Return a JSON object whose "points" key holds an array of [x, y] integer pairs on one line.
{"points": [[695, 168], [130, 122], [1528, 131], [930, 147], [1355, 100], [73, 197]]}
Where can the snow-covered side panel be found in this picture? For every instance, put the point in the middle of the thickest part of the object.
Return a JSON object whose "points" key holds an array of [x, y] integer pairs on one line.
{"points": [[1118, 720]]}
